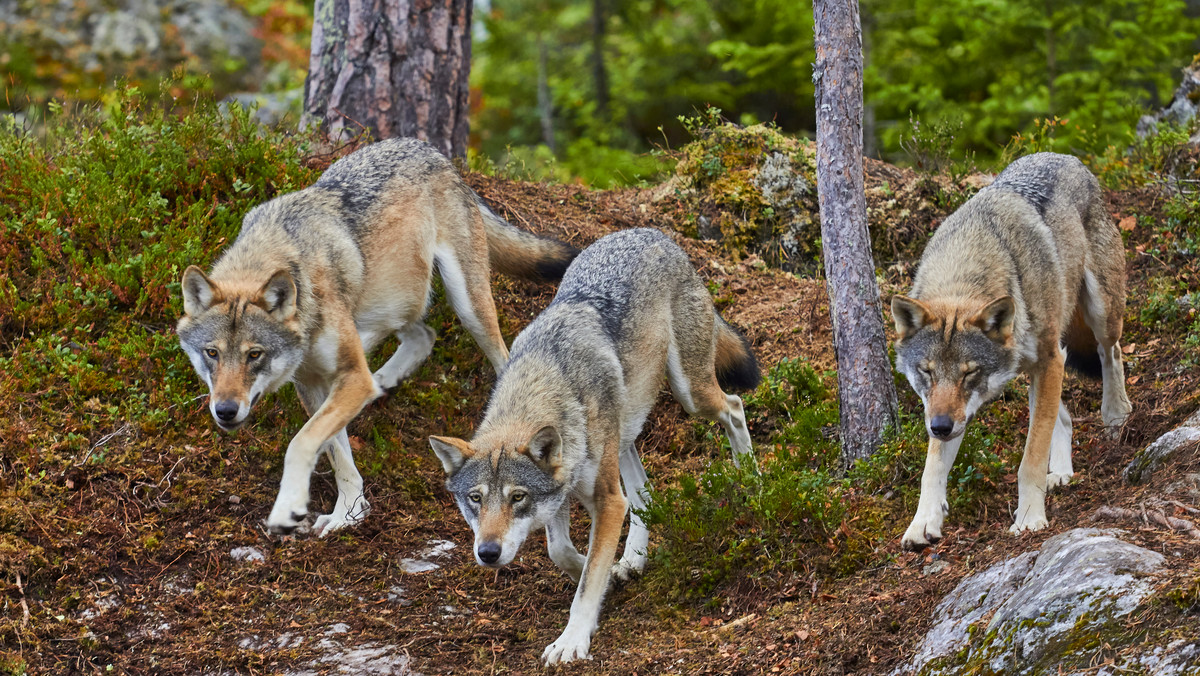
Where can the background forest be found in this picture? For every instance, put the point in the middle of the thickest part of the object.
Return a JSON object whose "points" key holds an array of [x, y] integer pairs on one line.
{"points": [[582, 90]]}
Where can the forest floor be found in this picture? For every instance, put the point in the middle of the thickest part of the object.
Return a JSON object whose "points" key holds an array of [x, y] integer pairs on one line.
{"points": [[143, 580]]}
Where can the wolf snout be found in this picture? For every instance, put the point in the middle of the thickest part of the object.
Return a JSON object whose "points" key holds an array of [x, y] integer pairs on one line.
{"points": [[488, 552], [226, 411], [942, 427]]}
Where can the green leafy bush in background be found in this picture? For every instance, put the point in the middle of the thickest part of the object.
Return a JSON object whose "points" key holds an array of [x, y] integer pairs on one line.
{"points": [[100, 213]]}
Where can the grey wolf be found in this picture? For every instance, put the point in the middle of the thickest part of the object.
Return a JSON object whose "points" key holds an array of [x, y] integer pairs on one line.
{"points": [[318, 277], [1029, 264], [564, 415]]}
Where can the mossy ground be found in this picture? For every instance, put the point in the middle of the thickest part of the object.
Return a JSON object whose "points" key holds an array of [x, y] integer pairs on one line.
{"points": [[120, 503]]}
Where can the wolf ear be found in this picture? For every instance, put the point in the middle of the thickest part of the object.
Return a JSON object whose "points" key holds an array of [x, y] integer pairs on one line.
{"points": [[279, 295], [198, 291], [545, 447], [452, 452], [909, 314], [996, 319]]}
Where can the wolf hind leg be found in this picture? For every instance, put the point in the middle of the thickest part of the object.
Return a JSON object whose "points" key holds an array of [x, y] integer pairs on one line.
{"points": [[693, 381], [466, 278], [558, 543], [416, 342], [633, 475], [1103, 307]]}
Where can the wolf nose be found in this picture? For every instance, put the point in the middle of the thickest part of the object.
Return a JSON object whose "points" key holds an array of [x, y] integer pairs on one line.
{"points": [[226, 410], [489, 552], [941, 426]]}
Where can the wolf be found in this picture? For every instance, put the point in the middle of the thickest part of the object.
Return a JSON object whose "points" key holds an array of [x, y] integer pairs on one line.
{"points": [[1027, 277], [318, 277], [564, 415]]}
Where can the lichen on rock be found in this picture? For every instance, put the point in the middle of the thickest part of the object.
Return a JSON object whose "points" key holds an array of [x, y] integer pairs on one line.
{"points": [[1041, 611]]}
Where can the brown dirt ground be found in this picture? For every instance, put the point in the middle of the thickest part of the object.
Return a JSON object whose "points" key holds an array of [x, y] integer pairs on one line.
{"points": [[185, 607]]}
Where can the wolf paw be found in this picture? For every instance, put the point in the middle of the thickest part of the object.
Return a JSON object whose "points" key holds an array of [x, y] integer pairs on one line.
{"points": [[568, 648], [1056, 479], [1031, 524], [626, 570], [287, 524], [916, 540]]}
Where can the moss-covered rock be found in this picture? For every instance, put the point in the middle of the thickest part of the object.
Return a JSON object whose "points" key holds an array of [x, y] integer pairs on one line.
{"points": [[1049, 611]]}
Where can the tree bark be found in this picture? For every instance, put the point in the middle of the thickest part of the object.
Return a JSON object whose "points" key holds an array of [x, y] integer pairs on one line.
{"points": [[866, 390], [599, 73], [545, 106], [393, 67]]}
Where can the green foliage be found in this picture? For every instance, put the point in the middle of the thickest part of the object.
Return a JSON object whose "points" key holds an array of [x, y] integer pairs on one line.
{"points": [[998, 67], [100, 214], [789, 509]]}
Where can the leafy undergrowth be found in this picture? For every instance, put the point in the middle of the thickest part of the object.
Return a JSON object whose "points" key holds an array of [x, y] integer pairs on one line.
{"points": [[120, 505]]}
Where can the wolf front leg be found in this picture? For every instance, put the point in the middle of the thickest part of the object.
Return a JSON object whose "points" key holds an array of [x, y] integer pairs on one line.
{"points": [[1035, 463], [352, 389], [608, 515], [926, 527]]}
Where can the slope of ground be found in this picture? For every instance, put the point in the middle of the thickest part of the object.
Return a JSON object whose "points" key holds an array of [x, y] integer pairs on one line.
{"points": [[127, 565]]}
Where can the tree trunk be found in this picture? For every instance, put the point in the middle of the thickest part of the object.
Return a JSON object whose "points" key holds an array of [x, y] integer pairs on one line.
{"points": [[599, 74], [866, 390], [393, 67], [545, 106]]}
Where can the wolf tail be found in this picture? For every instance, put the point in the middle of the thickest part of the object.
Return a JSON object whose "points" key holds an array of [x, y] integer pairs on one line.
{"points": [[1083, 355], [522, 254], [736, 367]]}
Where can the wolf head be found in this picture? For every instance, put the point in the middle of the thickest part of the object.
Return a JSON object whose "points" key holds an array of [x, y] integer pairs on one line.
{"points": [[506, 486], [242, 340], [957, 356]]}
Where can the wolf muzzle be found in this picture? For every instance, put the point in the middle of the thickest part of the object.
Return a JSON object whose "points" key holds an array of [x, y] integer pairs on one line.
{"points": [[488, 552]]}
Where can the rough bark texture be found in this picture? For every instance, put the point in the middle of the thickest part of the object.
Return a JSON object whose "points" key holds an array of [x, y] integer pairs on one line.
{"points": [[395, 67], [865, 386]]}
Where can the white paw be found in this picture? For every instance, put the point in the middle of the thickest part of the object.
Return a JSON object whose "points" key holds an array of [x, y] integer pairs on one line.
{"points": [[1029, 524], [1115, 416], [627, 569], [569, 647], [338, 519], [1056, 479], [287, 516], [925, 529]]}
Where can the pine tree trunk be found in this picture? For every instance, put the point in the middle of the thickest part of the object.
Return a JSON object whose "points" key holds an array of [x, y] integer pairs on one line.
{"points": [[866, 390], [394, 67], [599, 72], [545, 106]]}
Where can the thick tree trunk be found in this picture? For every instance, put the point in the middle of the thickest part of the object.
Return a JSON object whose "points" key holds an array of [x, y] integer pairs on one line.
{"points": [[394, 67], [866, 389]]}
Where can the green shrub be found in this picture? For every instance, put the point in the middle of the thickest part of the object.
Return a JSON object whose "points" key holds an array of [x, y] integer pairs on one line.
{"points": [[100, 213]]}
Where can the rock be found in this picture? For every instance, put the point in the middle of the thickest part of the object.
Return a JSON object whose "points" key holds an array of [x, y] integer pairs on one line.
{"points": [[125, 38], [424, 561], [1041, 605], [1182, 107], [247, 555], [1145, 463]]}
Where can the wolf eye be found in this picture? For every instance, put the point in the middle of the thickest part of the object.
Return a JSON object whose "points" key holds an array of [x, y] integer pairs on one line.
{"points": [[212, 354], [475, 497], [517, 497], [253, 354], [924, 371]]}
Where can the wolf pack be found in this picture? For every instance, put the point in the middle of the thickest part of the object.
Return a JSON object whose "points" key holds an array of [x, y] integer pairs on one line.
{"points": [[1028, 276]]}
